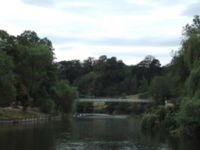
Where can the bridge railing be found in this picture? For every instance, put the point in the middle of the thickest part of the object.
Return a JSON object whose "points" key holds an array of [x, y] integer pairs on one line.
{"points": [[114, 100]]}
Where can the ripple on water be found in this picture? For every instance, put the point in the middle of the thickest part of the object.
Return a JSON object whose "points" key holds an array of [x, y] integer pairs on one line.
{"points": [[97, 145], [96, 116]]}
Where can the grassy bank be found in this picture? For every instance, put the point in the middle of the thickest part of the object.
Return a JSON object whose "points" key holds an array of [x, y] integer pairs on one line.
{"points": [[16, 113]]}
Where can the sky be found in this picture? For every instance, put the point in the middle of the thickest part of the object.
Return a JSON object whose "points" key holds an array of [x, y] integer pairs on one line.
{"points": [[126, 29]]}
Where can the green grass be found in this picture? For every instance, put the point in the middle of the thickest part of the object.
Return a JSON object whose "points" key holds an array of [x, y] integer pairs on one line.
{"points": [[138, 96], [15, 113]]}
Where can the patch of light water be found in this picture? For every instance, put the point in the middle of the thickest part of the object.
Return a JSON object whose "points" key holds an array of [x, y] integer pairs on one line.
{"points": [[97, 145], [93, 115], [164, 147]]}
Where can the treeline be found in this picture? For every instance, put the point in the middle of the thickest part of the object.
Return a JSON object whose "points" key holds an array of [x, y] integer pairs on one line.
{"points": [[29, 77], [181, 85], [109, 77]]}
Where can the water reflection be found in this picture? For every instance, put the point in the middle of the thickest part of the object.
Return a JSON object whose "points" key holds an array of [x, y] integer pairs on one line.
{"points": [[92, 132]]}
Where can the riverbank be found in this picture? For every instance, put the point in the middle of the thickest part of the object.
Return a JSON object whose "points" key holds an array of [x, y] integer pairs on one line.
{"points": [[16, 115]]}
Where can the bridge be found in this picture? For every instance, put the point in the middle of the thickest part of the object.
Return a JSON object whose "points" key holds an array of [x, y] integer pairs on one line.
{"points": [[86, 105], [115, 100]]}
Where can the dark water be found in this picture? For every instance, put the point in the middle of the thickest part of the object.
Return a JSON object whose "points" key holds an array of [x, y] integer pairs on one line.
{"points": [[88, 132]]}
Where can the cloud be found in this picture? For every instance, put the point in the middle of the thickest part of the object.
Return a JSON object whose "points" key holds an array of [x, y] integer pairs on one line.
{"points": [[144, 41], [128, 29], [192, 10], [114, 41], [97, 7], [43, 3], [129, 55]]}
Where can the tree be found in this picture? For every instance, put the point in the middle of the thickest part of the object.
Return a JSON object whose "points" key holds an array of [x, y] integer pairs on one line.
{"points": [[28, 38], [193, 83], [70, 70], [88, 65], [188, 118], [35, 70], [149, 61], [87, 84], [7, 80], [185, 64], [149, 68], [65, 96], [160, 89]]}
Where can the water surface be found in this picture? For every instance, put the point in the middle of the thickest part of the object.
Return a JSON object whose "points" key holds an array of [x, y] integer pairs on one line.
{"points": [[88, 132]]}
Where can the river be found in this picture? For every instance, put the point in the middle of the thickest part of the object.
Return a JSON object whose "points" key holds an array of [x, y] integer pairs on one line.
{"points": [[88, 132]]}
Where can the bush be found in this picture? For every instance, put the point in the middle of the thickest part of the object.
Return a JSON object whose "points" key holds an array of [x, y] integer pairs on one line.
{"points": [[188, 118], [161, 117], [65, 96], [160, 113], [148, 122], [160, 89], [193, 82], [48, 106]]}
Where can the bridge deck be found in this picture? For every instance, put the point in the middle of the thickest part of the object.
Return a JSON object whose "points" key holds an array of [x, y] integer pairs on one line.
{"points": [[114, 100]]}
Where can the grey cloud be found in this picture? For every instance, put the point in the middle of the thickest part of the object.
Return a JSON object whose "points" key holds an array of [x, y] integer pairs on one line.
{"points": [[192, 10]]}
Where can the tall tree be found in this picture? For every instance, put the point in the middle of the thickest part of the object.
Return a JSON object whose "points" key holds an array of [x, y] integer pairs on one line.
{"points": [[7, 80]]}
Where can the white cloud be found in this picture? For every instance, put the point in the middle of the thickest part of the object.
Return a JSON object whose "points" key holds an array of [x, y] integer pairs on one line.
{"points": [[128, 29]]}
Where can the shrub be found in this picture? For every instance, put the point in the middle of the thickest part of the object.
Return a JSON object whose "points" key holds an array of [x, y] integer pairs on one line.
{"points": [[65, 96], [48, 106], [160, 89], [161, 117], [148, 122], [188, 118]]}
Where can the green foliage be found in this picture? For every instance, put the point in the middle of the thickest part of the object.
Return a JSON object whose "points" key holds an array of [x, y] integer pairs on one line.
{"points": [[193, 83], [109, 77], [160, 118], [191, 43], [148, 68], [143, 86], [123, 108], [70, 70], [84, 108], [160, 89], [185, 64], [65, 96], [87, 84], [48, 106], [30, 81], [7, 89], [181, 80], [188, 118], [148, 122], [35, 72]]}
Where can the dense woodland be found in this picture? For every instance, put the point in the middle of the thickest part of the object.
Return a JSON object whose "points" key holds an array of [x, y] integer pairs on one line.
{"points": [[109, 77], [179, 83], [30, 77]]}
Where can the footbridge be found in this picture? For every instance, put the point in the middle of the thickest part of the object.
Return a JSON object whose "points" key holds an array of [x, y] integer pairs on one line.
{"points": [[114, 100]]}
